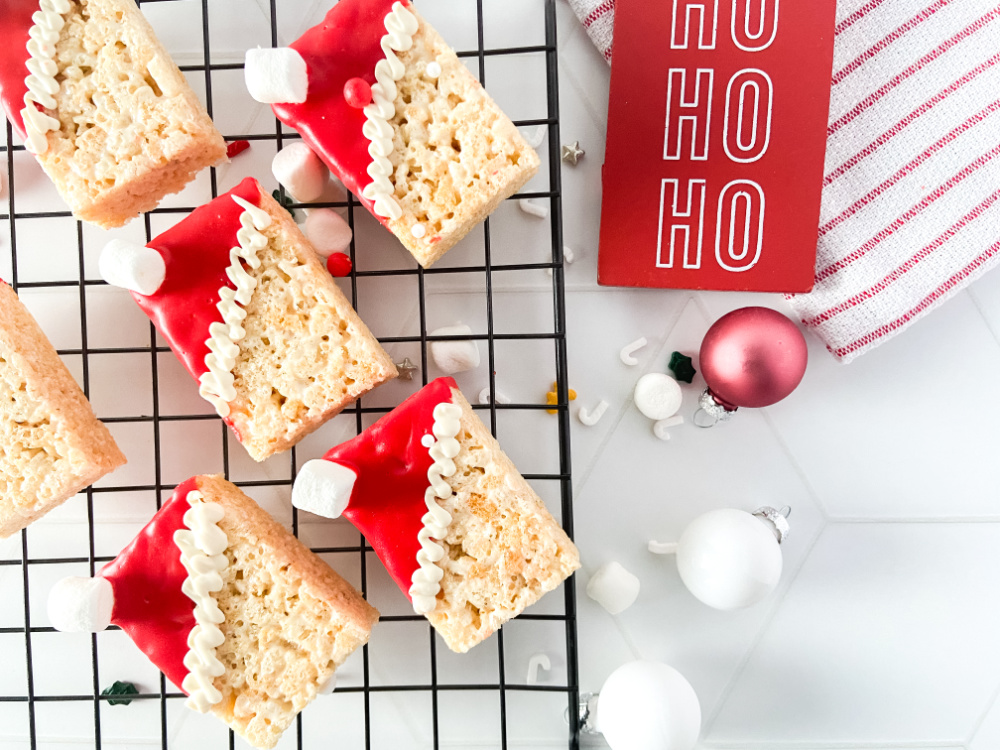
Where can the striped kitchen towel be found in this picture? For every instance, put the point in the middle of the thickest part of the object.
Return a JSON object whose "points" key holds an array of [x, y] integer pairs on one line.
{"points": [[911, 196]]}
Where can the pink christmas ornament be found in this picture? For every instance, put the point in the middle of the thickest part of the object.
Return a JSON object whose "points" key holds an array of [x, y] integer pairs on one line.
{"points": [[751, 357]]}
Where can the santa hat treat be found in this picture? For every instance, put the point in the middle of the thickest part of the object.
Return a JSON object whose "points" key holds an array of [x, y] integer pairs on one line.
{"points": [[228, 605], [96, 98], [245, 303], [458, 528], [386, 104]]}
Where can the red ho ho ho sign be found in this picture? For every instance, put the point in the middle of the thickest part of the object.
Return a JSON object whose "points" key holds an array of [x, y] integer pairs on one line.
{"points": [[716, 138]]}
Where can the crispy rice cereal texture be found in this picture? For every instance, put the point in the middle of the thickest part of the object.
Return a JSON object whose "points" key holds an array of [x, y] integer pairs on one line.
{"points": [[505, 550], [306, 354], [456, 154], [290, 620], [132, 130], [51, 444]]}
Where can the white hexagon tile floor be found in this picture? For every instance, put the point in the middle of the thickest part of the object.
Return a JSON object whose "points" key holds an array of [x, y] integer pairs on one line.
{"points": [[882, 634]]}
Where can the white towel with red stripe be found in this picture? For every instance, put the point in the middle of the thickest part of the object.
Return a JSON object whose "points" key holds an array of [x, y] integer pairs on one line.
{"points": [[911, 196]]}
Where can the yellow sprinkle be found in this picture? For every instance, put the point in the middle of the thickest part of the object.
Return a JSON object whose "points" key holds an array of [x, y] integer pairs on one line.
{"points": [[552, 397]]}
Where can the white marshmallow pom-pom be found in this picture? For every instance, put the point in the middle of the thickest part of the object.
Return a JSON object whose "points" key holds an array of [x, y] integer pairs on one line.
{"points": [[614, 588], [328, 232], [324, 488], [81, 605], [300, 171], [658, 396], [130, 266], [454, 356], [276, 75]]}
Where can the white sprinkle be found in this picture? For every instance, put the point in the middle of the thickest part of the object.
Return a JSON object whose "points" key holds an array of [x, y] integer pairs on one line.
{"points": [[427, 441], [628, 349], [660, 428], [535, 209], [590, 417], [484, 397], [536, 662], [536, 136], [419, 231], [433, 70]]}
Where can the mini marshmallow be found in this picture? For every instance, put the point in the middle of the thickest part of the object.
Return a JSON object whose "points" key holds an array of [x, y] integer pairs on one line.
{"points": [[657, 396], [81, 605], [328, 232], [302, 173], [533, 208], [614, 588], [454, 356], [323, 487], [130, 266], [276, 76]]}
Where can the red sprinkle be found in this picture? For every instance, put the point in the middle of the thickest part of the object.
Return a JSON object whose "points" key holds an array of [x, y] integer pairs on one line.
{"points": [[339, 264], [358, 93], [236, 147]]}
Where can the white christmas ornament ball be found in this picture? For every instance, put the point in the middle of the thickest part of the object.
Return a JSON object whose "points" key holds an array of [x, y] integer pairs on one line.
{"points": [[729, 559], [646, 705]]}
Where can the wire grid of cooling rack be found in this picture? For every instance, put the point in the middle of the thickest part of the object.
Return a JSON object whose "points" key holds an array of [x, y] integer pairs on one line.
{"points": [[168, 699]]}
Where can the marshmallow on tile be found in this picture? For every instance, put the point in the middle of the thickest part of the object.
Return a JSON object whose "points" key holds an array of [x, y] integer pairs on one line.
{"points": [[323, 487], [130, 266], [302, 173], [328, 232], [81, 605], [454, 356], [613, 587], [276, 75], [658, 396]]}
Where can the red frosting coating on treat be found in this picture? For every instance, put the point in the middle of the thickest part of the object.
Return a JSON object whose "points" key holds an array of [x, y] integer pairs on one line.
{"points": [[346, 45], [147, 577], [196, 253], [15, 22], [387, 502]]}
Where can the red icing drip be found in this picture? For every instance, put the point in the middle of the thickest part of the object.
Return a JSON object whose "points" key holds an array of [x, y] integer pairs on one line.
{"points": [[147, 577], [387, 502], [346, 45], [15, 22], [196, 253]]}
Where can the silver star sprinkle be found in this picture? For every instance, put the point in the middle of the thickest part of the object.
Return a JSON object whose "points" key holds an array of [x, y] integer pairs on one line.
{"points": [[572, 153], [406, 369]]}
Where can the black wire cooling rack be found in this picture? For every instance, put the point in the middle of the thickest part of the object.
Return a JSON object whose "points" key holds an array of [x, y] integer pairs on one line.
{"points": [[48, 707]]}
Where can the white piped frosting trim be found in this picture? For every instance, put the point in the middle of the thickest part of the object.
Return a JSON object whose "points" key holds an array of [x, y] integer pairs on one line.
{"points": [[217, 384], [401, 25], [203, 545], [427, 578], [41, 81]]}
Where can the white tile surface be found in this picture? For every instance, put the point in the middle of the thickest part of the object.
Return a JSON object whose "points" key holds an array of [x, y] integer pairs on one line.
{"points": [[882, 634]]}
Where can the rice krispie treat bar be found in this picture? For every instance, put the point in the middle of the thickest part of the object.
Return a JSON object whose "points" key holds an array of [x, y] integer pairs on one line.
{"points": [[231, 607], [247, 306], [386, 104], [458, 528], [102, 106], [52, 444]]}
